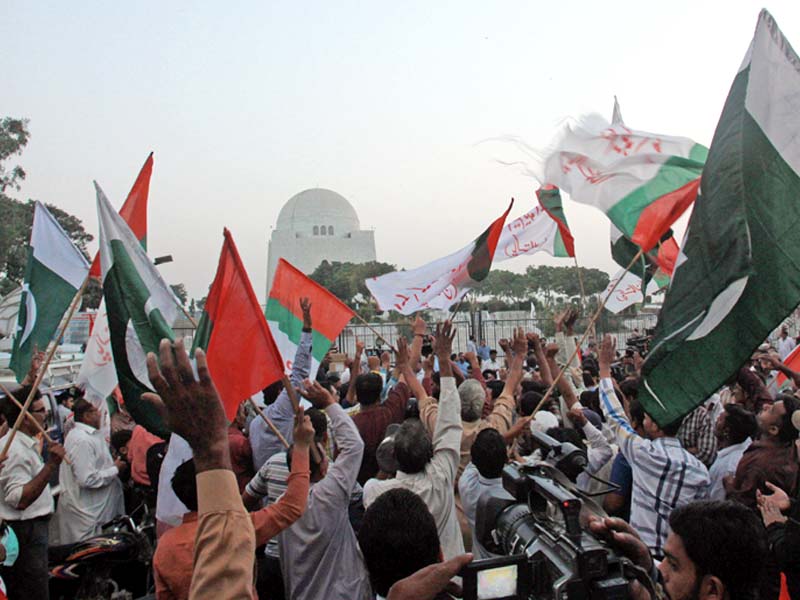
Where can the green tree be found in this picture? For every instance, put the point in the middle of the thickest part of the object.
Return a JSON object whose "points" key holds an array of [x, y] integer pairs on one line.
{"points": [[180, 291], [345, 280], [14, 136]]}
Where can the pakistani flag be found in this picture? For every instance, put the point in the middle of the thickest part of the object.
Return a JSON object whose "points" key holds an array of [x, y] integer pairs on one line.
{"points": [[657, 264], [55, 272], [140, 306], [738, 273], [542, 229]]}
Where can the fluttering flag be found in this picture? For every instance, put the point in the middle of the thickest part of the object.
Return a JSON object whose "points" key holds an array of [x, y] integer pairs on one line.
{"points": [[141, 309], [542, 229], [55, 272], [329, 315], [658, 263], [642, 181], [97, 375], [624, 289], [242, 356], [443, 282], [793, 362], [736, 277]]}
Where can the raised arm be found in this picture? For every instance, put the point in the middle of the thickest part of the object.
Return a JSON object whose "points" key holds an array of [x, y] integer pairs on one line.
{"points": [[448, 429], [777, 364], [403, 366], [564, 386], [502, 415], [355, 371], [419, 330], [541, 358]]}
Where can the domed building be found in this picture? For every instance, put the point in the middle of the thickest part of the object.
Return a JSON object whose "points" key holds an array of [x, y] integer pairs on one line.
{"points": [[317, 225]]}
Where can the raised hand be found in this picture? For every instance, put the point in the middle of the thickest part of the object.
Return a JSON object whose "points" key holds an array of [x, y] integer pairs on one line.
{"points": [[316, 394], [504, 345], [551, 350], [519, 343], [359, 348], [305, 306], [443, 347], [303, 429], [402, 353], [608, 353], [570, 316], [420, 326], [193, 407]]}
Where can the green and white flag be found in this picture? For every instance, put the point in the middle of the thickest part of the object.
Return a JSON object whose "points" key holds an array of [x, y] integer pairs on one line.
{"points": [[141, 309], [738, 272], [55, 272]]}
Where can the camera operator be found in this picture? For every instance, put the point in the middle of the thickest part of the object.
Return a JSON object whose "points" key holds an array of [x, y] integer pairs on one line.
{"points": [[714, 550], [665, 475]]}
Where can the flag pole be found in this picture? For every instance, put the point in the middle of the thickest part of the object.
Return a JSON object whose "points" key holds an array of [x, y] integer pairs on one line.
{"points": [[40, 375], [32, 419], [373, 330], [589, 327], [187, 315], [287, 385], [580, 281]]}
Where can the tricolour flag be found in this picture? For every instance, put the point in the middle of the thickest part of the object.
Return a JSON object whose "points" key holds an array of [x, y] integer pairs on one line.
{"points": [[443, 282], [329, 315], [242, 356], [642, 181], [97, 375], [657, 264], [55, 272], [624, 289], [542, 229], [141, 309], [737, 274]]}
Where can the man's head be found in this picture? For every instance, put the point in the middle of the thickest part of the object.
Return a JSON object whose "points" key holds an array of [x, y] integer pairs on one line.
{"points": [[489, 375], [119, 441], [319, 422], [373, 363], [85, 412], [715, 550], [784, 332], [472, 399], [37, 409], [734, 425], [492, 354], [775, 420], [368, 388], [398, 537], [184, 484], [488, 453], [654, 431], [412, 447]]}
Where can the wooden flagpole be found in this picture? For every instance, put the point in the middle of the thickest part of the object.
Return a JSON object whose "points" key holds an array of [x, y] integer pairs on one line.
{"points": [[46, 363], [580, 281], [589, 327], [287, 385], [269, 423]]}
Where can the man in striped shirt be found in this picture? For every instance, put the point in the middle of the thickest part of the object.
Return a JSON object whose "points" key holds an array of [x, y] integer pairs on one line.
{"points": [[665, 475]]}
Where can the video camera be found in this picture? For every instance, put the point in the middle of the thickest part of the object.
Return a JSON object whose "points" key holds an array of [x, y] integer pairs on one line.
{"points": [[535, 526]]}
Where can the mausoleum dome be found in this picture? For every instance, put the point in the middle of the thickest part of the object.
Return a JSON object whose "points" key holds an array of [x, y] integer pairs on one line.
{"points": [[311, 210]]}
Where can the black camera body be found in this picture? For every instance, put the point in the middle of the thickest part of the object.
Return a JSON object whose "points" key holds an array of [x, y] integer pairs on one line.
{"points": [[537, 519]]}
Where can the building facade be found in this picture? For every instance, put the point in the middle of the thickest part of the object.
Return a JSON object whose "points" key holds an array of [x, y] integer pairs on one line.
{"points": [[316, 225]]}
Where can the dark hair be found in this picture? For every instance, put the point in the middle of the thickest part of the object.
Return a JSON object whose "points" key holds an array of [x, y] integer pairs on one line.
{"points": [[412, 447], [120, 438], [588, 379], [637, 412], [319, 421], [398, 537], [740, 422], [489, 373], [492, 351], [184, 484], [496, 388], [488, 453], [80, 408], [368, 388], [10, 410], [724, 539], [272, 391], [787, 432], [564, 434], [630, 388], [671, 429], [528, 403]]}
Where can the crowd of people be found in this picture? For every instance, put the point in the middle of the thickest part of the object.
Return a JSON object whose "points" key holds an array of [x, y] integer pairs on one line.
{"points": [[373, 490]]}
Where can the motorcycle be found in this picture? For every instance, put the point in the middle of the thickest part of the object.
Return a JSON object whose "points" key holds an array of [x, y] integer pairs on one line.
{"points": [[116, 564]]}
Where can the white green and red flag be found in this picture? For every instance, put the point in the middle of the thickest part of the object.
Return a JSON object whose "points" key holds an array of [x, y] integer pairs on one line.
{"points": [[736, 277], [97, 376], [55, 272], [642, 181], [242, 356], [329, 315], [443, 282], [141, 309], [542, 229]]}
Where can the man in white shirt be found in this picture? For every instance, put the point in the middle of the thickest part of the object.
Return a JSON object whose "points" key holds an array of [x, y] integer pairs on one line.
{"points": [[785, 343], [492, 364], [91, 492], [25, 499], [735, 429]]}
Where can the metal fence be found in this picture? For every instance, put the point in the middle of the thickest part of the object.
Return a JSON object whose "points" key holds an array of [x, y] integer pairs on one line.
{"points": [[492, 329]]}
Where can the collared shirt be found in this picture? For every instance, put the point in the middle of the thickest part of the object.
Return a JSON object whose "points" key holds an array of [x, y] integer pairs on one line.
{"points": [[24, 462], [665, 475], [436, 483], [270, 482], [483, 352], [472, 486], [697, 431], [225, 540], [491, 365], [263, 441], [320, 557], [91, 492], [726, 463]]}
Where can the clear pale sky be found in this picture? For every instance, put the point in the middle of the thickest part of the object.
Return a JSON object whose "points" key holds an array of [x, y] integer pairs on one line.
{"points": [[247, 103]]}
